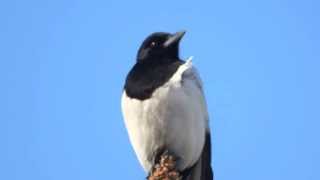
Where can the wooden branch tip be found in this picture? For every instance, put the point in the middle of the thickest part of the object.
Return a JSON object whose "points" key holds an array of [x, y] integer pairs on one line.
{"points": [[165, 169]]}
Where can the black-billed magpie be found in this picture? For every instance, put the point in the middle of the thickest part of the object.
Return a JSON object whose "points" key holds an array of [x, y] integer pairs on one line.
{"points": [[164, 108]]}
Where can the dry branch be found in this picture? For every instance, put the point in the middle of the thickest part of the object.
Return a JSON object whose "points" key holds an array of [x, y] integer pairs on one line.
{"points": [[165, 169]]}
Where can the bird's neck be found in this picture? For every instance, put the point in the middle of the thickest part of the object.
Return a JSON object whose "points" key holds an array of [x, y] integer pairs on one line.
{"points": [[158, 61]]}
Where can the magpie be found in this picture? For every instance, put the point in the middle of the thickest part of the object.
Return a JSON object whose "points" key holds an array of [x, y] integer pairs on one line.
{"points": [[164, 108]]}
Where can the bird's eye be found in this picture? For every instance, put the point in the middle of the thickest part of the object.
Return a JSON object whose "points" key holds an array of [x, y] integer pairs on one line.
{"points": [[153, 44]]}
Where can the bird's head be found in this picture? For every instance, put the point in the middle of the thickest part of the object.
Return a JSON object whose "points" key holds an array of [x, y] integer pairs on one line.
{"points": [[160, 46]]}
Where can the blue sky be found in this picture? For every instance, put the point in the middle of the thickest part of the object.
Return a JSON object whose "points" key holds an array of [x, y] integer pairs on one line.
{"points": [[63, 65]]}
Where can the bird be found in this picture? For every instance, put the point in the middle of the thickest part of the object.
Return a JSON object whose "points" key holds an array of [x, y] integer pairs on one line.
{"points": [[165, 110]]}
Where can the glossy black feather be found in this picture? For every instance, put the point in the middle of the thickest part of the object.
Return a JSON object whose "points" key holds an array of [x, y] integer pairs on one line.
{"points": [[206, 170], [144, 78]]}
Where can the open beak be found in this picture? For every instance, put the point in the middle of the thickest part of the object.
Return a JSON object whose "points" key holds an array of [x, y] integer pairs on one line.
{"points": [[174, 38]]}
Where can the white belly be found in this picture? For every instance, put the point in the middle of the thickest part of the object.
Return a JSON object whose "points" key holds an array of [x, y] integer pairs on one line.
{"points": [[173, 118]]}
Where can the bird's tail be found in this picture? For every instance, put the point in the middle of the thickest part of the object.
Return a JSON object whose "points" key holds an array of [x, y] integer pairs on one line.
{"points": [[202, 169]]}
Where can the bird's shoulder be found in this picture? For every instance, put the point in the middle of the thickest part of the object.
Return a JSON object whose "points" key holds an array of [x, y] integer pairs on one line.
{"points": [[187, 72]]}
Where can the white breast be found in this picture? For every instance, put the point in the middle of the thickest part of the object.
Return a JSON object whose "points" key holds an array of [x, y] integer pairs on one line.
{"points": [[174, 117]]}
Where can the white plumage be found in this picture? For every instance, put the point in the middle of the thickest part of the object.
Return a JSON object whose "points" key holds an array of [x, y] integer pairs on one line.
{"points": [[174, 117]]}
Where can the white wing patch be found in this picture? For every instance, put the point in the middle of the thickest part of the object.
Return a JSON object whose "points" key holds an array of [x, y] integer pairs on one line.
{"points": [[177, 77], [174, 117]]}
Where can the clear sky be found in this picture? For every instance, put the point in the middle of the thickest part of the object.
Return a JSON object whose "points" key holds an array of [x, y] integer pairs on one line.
{"points": [[63, 65]]}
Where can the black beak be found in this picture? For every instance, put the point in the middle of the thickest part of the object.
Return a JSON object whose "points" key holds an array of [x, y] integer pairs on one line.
{"points": [[174, 38]]}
